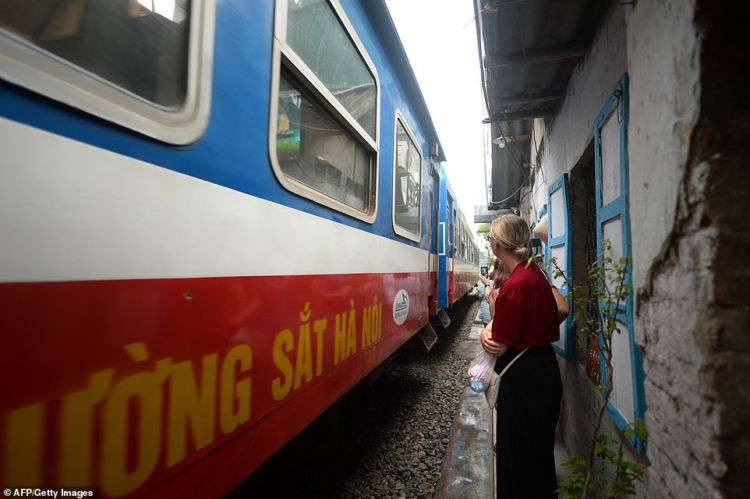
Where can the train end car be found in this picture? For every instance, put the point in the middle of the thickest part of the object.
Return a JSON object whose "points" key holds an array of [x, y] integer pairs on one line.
{"points": [[458, 253]]}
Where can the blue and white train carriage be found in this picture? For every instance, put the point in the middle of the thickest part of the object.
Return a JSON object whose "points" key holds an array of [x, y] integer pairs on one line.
{"points": [[215, 218]]}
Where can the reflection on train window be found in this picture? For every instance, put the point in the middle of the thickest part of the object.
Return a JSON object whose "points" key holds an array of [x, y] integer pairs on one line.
{"points": [[326, 121], [406, 193], [139, 45], [312, 148], [316, 35]]}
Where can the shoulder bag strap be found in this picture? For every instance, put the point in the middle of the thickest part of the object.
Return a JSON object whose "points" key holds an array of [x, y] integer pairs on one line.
{"points": [[512, 361]]}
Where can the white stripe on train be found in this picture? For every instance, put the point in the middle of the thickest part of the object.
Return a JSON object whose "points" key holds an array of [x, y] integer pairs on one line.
{"points": [[72, 211]]}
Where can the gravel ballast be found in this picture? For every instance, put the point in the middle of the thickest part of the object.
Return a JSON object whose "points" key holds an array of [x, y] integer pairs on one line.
{"points": [[386, 440]]}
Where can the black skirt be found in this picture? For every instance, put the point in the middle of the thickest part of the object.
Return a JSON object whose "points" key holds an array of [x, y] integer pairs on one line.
{"points": [[528, 407]]}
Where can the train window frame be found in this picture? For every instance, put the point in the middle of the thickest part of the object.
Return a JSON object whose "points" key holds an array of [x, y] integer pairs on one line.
{"points": [[29, 66], [398, 229], [284, 59]]}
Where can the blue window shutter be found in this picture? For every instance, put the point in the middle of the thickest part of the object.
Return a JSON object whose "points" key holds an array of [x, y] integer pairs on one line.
{"points": [[559, 245], [627, 404]]}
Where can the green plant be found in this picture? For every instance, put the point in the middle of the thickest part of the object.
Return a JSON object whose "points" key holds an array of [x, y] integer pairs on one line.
{"points": [[604, 470]]}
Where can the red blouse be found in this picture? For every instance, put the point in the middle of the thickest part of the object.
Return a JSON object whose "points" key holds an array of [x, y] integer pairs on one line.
{"points": [[525, 310]]}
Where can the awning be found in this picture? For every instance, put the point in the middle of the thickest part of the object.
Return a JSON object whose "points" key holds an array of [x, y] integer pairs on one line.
{"points": [[528, 49]]}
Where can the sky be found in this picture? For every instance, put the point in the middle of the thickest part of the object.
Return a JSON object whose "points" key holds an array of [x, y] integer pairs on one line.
{"points": [[440, 39]]}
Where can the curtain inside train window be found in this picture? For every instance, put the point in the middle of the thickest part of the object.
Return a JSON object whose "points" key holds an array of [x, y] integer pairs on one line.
{"points": [[139, 45]]}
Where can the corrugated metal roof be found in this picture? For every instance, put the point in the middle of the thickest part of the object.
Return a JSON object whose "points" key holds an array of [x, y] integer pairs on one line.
{"points": [[529, 49]]}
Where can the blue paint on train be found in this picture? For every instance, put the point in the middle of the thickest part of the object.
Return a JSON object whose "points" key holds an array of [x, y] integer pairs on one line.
{"points": [[446, 239], [233, 151]]}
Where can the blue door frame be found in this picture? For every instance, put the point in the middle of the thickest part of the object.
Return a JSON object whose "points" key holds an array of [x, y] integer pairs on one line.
{"points": [[563, 240], [618, 102]]}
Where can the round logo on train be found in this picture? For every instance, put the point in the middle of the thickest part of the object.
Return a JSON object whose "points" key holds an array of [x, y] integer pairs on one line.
{"points": [[400, 307]]}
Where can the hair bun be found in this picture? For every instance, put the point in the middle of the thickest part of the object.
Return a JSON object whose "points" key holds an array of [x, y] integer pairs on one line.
{"points": [[522, 252]]}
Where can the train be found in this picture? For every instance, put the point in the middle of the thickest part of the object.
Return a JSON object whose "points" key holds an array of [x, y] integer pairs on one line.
{"points": [[216, 219]]}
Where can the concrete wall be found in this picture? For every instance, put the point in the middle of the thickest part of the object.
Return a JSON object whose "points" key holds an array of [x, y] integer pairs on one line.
{"points": [[572, 128], [689, 133], [663, 50], [663, 63]]}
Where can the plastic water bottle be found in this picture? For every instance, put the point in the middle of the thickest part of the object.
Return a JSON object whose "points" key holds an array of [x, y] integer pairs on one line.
{"points": [[478, 385]]}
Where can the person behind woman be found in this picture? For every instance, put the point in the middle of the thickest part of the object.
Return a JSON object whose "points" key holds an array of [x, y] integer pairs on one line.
{"points": [[501, 275], [484, 290], [526, 315]]}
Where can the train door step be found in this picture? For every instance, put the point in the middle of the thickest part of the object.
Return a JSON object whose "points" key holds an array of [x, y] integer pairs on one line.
{"points": [[442, 316], [428, 336]]}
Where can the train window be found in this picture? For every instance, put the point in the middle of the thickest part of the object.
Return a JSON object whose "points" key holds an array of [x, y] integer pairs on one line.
{"points": [[315, 34], [407, 172], [323, 126], [315, 150], [133, 62]]}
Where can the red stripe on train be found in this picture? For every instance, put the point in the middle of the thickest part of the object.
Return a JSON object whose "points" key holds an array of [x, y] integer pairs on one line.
{"points": [[176, 386]]}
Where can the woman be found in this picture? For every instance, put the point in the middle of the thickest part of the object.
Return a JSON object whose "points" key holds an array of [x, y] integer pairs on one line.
{"points": [[491, 286], [526, 315]]}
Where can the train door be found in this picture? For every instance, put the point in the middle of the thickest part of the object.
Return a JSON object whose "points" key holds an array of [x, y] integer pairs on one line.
{"points": [[430, 223], [434, 201], [452, 255], [443, 238], [431, 257], [445, 282]]}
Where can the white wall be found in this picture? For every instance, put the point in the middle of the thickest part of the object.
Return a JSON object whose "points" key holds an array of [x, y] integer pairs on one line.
{"points": [[663, 61], [672, 252], [590, 85]]}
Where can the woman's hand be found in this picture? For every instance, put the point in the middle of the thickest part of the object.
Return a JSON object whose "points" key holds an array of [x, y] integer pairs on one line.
{"points": [[562, 304], [491, 347]]}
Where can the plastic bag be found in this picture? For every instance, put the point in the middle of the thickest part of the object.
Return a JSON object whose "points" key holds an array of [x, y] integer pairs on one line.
{"points": [[481, 370]]}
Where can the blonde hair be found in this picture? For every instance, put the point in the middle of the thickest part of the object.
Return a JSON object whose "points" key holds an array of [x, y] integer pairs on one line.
{"points": [[512, 233]]}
